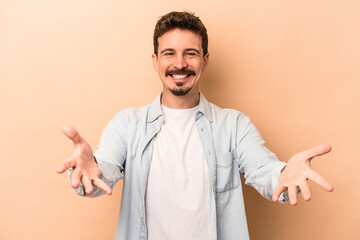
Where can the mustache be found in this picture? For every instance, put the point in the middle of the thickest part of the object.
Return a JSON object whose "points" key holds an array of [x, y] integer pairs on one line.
{"points": [[183, 71]]}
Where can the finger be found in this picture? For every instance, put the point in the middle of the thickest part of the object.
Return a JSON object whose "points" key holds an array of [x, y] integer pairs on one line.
{"points": [[319, 180], [279, 189], [102, 185], [318, 151], [87, 184], [75, 178], [68, 163], [292, 190], [71, 133], [305, 190]]}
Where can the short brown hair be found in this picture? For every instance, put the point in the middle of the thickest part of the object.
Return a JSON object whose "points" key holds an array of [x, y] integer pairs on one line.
{"points": [[182, 20]]}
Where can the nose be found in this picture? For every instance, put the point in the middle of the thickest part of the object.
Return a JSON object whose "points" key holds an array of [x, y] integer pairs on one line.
{"points": [[180, 62]]}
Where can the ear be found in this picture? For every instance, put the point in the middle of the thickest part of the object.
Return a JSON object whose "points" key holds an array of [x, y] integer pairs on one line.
{"points": [[155, 62], [206, 61]]}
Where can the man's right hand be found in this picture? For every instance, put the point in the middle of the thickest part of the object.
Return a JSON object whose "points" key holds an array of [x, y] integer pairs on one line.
{"points": [[85, 169]]}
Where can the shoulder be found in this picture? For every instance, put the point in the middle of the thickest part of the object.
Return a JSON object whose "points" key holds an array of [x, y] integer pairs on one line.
{"points": [[127, 120], [133, 114], [148, 112], [232, 121], [227, 114]]}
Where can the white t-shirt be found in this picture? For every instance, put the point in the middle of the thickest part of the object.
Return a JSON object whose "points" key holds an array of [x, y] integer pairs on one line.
{"points": [[178, 183]]}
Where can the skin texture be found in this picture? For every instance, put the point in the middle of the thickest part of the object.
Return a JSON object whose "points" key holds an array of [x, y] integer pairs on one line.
{"points": [[180, 53]]}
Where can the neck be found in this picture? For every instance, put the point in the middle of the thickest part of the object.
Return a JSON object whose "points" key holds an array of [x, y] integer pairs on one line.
{"points": [[190, 100]]}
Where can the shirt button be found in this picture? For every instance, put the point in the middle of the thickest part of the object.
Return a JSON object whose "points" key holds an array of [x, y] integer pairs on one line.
{"points": [[142, 216]]}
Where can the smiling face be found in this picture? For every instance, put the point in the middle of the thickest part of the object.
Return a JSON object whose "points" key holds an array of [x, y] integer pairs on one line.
{"points": [[180, 62]]}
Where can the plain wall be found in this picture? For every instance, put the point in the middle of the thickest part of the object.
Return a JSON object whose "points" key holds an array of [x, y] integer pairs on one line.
{"points": [[292, 66]]}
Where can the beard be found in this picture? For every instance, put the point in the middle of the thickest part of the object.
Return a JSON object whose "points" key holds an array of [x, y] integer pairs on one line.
{"points": [[180, 91]]}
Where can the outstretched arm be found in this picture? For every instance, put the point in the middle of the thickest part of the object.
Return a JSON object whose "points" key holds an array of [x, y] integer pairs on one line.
{"points": [[297, 173], [85, 169]]}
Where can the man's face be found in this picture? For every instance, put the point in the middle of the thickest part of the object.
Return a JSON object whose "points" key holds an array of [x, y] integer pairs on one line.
{"points": [[180, 61]]}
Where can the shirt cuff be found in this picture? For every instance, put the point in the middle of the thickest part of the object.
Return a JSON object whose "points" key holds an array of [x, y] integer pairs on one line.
{"points": [[284, 196]]}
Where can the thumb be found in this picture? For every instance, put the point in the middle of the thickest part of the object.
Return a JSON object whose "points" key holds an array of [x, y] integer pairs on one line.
{"points": [[71, 133]]}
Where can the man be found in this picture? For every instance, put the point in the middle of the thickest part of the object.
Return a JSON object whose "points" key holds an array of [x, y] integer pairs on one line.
{"points": [[181, 156]]}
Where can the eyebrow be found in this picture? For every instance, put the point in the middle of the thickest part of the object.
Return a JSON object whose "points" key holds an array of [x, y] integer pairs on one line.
{"points": [[173, 50]]}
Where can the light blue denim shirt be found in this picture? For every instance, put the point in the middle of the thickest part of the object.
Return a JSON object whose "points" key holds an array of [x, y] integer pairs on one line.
{"points": [[232, 145]]}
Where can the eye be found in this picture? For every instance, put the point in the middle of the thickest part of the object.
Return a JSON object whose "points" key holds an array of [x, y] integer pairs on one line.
{"points": [[191, 53], [168, 54]]}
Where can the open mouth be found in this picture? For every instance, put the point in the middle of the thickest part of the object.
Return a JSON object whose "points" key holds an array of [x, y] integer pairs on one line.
{"points": [[180, 74], [179, 77]]}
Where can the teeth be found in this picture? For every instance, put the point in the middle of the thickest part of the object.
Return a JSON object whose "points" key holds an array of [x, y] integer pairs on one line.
{"points": [[179, 76]]}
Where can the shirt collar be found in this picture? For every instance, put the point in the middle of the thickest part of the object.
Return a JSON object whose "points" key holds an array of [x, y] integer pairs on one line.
{"points": [[204, 108], [155, 110]]}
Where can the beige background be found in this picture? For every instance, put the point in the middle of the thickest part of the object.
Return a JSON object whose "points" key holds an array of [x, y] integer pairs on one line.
{"points": [[292, 66]]}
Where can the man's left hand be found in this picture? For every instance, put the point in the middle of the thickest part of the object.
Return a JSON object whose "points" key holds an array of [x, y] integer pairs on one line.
{"points": [[297, 173]]}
